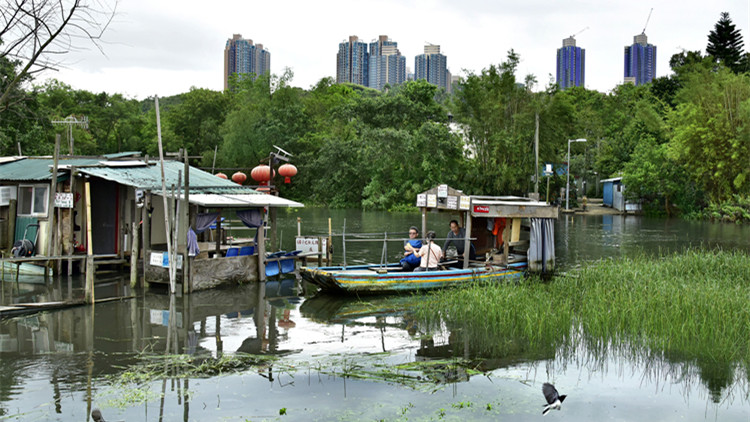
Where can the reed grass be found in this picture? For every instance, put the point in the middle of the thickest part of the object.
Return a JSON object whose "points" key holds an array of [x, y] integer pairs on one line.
{"points": [[692, 304]]}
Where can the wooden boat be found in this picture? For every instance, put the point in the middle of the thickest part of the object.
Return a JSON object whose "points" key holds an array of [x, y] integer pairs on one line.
{"points": [[389, 279], [494, 226]]}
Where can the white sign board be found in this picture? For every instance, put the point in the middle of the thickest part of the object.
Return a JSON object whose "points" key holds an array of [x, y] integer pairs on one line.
{"points": [[161, 259], [452, 202], [309, 244], [465, 203], [431, 201], [442, 191], [63, 200], [421, 200]]}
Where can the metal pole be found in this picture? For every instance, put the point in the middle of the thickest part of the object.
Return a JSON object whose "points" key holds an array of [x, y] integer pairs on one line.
{"points": [[536, 150], [567, 188]]}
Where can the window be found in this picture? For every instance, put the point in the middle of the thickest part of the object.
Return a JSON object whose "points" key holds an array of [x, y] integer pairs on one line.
{"points": [[32, 200]]}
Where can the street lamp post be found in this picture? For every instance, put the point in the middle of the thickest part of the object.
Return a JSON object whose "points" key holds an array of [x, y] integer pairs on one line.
{"points": [[567, 189]]}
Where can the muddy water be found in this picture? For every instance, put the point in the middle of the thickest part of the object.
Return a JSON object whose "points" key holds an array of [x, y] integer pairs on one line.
{"points": [[341, 359]]}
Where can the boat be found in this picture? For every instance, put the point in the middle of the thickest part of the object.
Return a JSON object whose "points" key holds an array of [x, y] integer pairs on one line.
{"points": [[505, 252], [390, 278]]}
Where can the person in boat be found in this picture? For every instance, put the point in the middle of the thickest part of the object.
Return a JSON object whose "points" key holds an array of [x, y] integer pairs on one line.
{"points": [[455, 238], [410, 261], [430, 253]]}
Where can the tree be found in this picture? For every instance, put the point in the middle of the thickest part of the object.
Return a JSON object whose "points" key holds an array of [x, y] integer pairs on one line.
{"points": [[711, 132], [725, 44], [34, 34]]}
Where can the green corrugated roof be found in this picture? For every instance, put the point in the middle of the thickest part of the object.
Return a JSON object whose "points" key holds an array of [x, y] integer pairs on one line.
{"points": [[149, 177], [38, 169]]}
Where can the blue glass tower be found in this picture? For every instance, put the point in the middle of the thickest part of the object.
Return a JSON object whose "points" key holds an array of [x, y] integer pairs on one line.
{"points": [[387, 65], [640, 61], [432, 66], [353, 62], [571, 64], [242, 57]]}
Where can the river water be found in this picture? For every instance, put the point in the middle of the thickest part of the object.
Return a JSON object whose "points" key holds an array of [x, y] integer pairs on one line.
{"points": [[328, 358]]}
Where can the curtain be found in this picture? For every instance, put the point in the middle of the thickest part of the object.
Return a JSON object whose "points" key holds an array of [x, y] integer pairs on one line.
{"points": [[542, 245], [204, 221], [251, 218]]}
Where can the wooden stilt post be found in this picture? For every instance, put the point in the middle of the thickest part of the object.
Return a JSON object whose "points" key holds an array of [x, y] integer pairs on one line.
{"points": [[48, 251], [262, 249], [89, 247], [72, 225], [134, 255], [187, 286]]}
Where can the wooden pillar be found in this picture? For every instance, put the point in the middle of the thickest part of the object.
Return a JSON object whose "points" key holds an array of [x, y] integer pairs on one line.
{"points": [[467, 242], [72, 225], [146, 230], [89, 247], [424, 222], [274, 238], [134, 255], [51, 201], [187, 285], [262, 249]]}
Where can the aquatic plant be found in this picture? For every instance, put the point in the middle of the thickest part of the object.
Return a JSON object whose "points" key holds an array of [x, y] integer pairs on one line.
{"points": [[691, 304]]}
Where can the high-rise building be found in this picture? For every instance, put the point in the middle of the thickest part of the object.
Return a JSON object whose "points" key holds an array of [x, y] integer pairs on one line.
{"points": [[432, 66], [571, 64], [640, 61], [387, 65], [242, 57], [353, 62]]}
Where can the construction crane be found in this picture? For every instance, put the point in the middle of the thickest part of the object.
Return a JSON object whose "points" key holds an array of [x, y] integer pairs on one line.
{"points": [[647, 19], [579, 32]]}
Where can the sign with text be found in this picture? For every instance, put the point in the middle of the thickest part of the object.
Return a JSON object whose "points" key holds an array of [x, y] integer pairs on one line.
{"points": [[309, 244], [481, 209], [161, 259], [431, 201], [421, 200], [464, 203], [452, 202], [442, 191], [63, 200]]}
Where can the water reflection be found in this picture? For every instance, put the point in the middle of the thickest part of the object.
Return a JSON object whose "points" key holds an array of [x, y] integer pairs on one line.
{"points": [[351, 358]]}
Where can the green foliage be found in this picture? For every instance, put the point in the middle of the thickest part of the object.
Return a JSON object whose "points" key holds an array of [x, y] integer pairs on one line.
{"points": [[711, 132]]}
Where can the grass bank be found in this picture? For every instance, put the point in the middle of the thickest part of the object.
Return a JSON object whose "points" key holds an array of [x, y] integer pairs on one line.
{"points": [[692, 304]]}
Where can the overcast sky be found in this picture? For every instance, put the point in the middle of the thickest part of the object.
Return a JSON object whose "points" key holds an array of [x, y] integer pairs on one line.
{"points": [[165, 47]]}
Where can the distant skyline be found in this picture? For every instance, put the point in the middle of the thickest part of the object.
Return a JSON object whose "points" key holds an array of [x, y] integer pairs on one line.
{"points": [[166, 47]]}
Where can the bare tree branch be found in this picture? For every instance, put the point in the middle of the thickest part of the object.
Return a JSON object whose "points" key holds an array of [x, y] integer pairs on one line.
{"points": [[35, 34]]}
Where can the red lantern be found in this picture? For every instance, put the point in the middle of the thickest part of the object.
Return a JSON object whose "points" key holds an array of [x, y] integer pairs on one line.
{"points": [[221, 176], [261, 174], [239, 178], [288, 171]]}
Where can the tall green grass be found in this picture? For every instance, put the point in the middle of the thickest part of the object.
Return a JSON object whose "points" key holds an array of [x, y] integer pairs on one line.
{"points": [[694, 304]]}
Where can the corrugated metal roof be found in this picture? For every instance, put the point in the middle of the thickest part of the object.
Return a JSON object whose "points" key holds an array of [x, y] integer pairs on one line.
{"points": [[149, 178], [38, 169]]}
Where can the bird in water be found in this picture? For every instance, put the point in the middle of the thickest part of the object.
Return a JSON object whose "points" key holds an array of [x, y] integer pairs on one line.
{"points": [[554, 400]]}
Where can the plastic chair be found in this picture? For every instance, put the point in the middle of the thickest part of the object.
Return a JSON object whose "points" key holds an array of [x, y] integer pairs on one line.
{"points": [[232, 252], [287, 265], [273, 268], [247, 250]]}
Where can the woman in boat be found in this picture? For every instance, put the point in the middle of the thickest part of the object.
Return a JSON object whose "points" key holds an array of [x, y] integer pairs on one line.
{"points": [[430, 253], [411, 261]]}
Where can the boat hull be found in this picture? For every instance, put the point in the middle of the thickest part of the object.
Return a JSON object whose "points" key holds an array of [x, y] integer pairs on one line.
{"points": [[373, 279]]}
